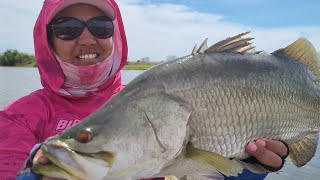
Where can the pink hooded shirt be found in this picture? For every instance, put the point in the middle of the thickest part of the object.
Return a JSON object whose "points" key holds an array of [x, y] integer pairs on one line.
{"points": [[46, 112]]}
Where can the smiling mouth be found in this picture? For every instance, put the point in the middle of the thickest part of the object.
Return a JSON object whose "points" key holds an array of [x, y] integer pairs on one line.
{"points": [[87, 56]]}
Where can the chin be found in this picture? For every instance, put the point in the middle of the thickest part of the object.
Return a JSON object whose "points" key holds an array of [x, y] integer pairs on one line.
{"points": [[87, 62]]}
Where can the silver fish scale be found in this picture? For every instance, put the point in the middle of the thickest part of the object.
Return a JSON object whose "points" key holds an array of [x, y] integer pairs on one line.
{"points": [[227, 127], [237, 98]]}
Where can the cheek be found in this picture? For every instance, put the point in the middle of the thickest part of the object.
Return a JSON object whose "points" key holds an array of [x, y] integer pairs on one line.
{"points": [[106, 46], [63, 49]]}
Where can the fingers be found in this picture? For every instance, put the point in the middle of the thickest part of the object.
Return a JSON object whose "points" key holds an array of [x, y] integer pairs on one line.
{"points": [[259, 149], [40, 158], [37, 156], [277, 147]]}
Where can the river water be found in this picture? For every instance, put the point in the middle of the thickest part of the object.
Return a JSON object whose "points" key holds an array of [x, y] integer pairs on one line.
{"points": [[16, 82]]}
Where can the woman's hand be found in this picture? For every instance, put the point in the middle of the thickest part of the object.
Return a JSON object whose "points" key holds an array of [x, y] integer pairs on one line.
{"points": [[268, 152], [40, 158]]}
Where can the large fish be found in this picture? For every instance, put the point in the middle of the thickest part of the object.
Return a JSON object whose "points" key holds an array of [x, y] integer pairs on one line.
{"points": [[194, 115]]}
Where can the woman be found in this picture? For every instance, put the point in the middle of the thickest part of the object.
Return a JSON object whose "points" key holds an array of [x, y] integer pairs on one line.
{"points": [[80, 70]]}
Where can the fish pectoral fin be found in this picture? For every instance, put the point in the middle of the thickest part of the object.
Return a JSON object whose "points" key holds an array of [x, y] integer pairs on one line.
{"points": [[304, 52], [220, 163], [303, 150]]}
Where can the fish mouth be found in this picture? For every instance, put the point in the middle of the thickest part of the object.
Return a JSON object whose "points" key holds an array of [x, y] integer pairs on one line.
{"points": [[70, 164]]}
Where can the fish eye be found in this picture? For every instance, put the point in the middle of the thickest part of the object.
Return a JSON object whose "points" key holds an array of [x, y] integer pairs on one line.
{"points": [[84, 136]]}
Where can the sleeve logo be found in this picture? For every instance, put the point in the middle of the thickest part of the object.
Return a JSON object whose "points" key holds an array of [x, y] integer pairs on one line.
{"points": [[65, 124]]}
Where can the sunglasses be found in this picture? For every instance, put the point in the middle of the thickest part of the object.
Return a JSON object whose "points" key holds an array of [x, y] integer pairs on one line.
{"points": [[69, 28]]}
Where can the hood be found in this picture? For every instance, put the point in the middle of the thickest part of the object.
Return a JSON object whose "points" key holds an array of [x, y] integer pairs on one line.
{"points": [[51, 74]]}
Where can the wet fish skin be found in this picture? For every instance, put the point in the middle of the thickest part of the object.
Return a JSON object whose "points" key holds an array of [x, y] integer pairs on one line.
{"points": [[188, 115]]}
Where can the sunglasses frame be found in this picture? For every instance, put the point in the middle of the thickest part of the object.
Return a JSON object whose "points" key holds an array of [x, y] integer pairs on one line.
{"points": [[85, 24]]}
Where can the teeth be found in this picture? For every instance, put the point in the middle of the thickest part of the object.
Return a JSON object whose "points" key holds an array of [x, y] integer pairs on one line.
{"points": [[88, 56]]}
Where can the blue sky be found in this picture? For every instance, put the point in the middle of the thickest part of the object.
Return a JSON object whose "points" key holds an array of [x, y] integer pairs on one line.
{"points": [[161, 28], [263, 13]]}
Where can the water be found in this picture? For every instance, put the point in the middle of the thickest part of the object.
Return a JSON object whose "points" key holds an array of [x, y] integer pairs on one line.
{"points": [[17, 82]]}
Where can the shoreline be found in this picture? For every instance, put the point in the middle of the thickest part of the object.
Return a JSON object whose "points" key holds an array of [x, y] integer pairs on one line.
{"points": [[130, 66]]}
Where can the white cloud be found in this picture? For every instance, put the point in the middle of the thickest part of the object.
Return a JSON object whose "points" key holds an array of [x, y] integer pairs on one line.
{"points": [[167, 29], [17, 20], [153, 30]]}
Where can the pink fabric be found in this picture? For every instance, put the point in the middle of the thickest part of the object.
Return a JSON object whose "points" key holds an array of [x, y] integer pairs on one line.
{"points": [[47, 111], [82, 79]]}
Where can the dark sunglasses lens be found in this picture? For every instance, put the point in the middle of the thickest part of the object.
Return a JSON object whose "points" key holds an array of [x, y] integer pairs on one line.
{"points": [[101, 27], [68, 29]]}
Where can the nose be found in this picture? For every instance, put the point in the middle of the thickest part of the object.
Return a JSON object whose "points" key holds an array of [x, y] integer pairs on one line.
{"points": [[86, 38]]}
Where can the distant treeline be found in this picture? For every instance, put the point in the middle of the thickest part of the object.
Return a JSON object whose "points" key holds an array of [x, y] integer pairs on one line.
{"points": [[16, 58], [139, 65]]}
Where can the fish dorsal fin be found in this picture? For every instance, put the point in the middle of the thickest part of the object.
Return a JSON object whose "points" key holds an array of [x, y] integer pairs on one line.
{"points": [[194, 50], [222, 164], [305, 53], [203, 46], [236, 44], [303, 150]]}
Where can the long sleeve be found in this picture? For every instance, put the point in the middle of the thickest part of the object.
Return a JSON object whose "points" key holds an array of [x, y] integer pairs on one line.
{"points": [[246, 174], [22, 125], [16, 142]]}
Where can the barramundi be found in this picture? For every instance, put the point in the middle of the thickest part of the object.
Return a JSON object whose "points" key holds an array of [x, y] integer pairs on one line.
{"points": [[194, 116]]}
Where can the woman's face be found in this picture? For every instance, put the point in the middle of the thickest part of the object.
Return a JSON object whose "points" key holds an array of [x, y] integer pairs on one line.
{"points": [[86, 49]]}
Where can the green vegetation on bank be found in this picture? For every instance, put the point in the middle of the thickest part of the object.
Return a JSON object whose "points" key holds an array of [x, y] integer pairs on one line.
{"points": [[15, 58], [139, 65]]}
